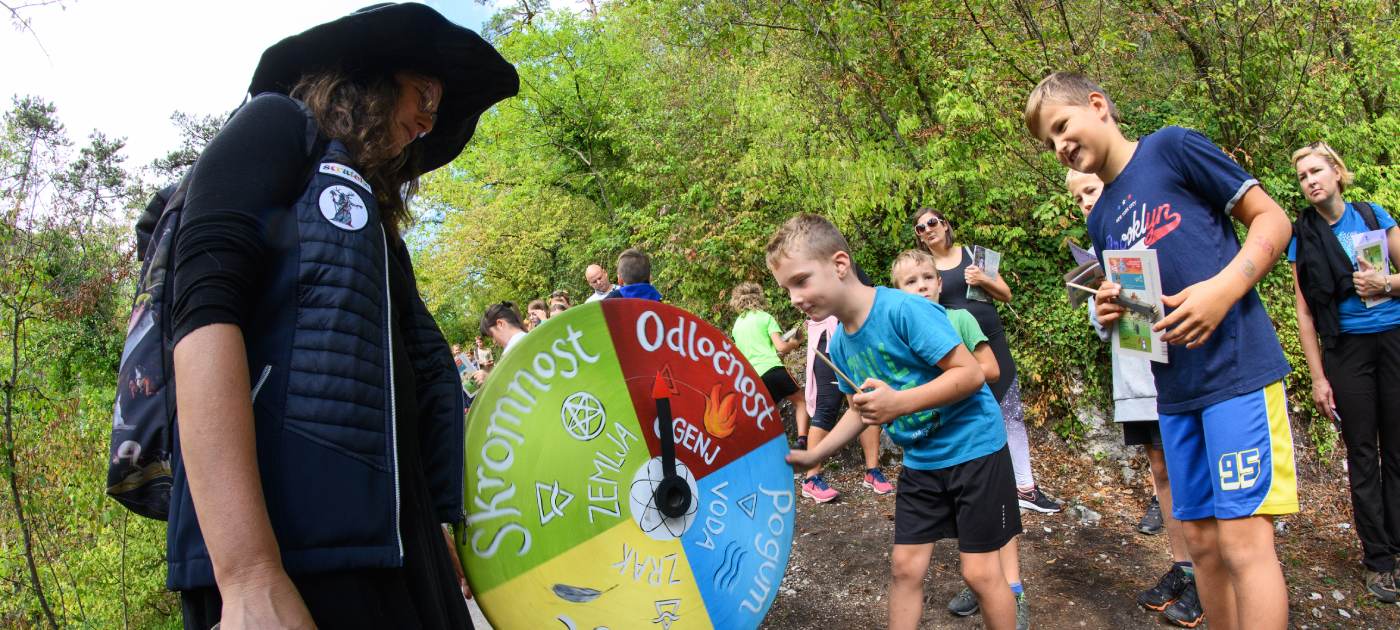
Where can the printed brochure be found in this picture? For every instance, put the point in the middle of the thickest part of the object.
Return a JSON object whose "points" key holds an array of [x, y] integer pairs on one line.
{"points": [[1082, 281], [1371, 247], [990, 262], [1141, 296]]}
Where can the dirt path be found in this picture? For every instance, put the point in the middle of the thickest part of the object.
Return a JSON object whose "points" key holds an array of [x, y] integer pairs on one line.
{"points": [[1078, 576]]}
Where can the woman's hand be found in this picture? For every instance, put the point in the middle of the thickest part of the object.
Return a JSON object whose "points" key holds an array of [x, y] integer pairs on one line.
{"points": [[1322, 398], [1369, 281], [456, 563], [974, 276], [265, 599]]}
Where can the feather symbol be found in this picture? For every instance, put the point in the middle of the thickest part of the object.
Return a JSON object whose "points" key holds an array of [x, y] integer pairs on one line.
{"points": [[720, 418]]}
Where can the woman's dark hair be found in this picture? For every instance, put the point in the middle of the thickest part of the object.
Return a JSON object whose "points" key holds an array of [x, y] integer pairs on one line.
{"points": [[501, 310], [923, 211], [359, 112]]}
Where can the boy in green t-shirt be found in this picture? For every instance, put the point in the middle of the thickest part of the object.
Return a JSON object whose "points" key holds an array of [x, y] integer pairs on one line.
{"points": [[760, 339], [914, 271]]}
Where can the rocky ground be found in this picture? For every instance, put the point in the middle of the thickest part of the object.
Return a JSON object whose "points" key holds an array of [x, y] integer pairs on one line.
{"points": [[1078, 575]]}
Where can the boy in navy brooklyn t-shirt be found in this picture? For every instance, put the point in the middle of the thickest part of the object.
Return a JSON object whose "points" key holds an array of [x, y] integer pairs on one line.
{"points": [[1220, 398]]}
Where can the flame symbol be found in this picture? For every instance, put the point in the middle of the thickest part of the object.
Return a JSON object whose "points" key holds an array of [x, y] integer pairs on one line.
{"points": [[719, 414]]}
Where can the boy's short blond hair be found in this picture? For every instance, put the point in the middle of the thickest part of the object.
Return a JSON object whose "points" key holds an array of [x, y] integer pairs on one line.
{"points": [[1065, 88], [913, 257], [1072, 175], [807, 235], [748, 296], [1324, 151]]}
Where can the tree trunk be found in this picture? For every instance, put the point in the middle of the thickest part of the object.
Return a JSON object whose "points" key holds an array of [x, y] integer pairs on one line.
{"points": [[13, 471]]}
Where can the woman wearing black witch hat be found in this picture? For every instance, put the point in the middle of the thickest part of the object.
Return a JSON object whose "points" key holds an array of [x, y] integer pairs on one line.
{"points": [[320, 414]]}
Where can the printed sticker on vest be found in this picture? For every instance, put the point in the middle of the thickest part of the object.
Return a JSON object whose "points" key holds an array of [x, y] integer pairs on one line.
{"points": [[344, 172], [343, 208]]}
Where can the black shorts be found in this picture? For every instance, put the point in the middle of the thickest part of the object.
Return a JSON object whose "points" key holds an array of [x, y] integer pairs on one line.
{"points": [[1142, 433], [829, 397], [779, 383], [974, 502]]}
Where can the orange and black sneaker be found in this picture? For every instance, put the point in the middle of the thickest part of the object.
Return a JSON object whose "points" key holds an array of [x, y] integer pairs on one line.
{"points": [[1167, 590], [1186, 610]]}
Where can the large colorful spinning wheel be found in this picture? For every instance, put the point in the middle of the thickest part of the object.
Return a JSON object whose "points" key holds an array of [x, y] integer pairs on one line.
{"points": [[584, 513]]}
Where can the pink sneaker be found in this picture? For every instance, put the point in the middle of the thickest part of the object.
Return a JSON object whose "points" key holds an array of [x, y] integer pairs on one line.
{"points": [[815, 488], [875, 480]]}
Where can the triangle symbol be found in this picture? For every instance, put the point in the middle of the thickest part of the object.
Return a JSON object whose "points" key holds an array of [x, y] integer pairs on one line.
{"points": [[748, 503], [553, 507], [669, 379]]}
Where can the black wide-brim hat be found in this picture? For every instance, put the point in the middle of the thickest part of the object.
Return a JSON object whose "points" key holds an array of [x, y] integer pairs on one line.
{"points": [[389, 37]]}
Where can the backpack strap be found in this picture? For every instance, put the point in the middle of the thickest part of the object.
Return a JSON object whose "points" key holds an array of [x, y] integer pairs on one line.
{"points": [[1367, 210]]}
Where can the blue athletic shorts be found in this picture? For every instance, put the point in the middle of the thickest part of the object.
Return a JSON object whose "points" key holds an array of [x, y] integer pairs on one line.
{"points": [[1232, 459]]}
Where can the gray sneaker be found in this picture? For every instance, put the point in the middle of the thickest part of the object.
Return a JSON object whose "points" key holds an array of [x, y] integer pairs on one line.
{"points": [[964, 603], [1381, 586], [1023, 612]]}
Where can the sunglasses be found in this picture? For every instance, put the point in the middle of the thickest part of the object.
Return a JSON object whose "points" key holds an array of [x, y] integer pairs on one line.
{"points": [[920, 228], [426, 103]]}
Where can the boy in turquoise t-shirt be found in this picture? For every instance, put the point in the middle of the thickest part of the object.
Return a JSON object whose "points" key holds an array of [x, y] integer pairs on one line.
{"points": [[1220, 399], [916, 378]]}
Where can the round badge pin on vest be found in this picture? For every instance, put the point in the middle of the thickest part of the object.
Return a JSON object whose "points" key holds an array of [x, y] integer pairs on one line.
{"points": [[342, 206], [585, 511]]}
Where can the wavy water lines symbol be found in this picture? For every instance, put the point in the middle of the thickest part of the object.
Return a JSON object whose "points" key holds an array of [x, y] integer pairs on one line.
{"points": [[728, 572]]}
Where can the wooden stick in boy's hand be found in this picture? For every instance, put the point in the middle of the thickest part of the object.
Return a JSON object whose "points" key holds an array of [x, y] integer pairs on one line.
{"points": [[822, 355], [1081, 288]]}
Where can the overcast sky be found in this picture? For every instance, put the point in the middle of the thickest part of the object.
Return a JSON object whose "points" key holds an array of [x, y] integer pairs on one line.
{"points": [[123, 66]]}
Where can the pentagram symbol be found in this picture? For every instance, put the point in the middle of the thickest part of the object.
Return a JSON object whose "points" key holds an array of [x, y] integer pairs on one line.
{"points": [[583, 416]]}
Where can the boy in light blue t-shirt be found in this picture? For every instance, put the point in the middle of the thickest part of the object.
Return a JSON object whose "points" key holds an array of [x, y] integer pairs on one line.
{"points": [[918, 380]]}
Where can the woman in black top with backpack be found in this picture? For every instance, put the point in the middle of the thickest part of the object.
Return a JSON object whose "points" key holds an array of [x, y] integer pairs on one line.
{"points": [[934, 234], [1350, 332], [322, 495]]}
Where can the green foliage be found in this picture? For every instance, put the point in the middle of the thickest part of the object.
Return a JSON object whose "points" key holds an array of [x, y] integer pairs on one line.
{"points": [[692, 129], [65, 285]]}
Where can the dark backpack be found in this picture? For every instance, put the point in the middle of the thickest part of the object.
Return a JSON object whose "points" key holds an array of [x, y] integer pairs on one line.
{"points": [[143, 416], [138, 466], [1367, 210]]}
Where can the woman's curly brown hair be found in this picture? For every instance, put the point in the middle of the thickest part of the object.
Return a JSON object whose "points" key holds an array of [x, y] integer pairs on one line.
{"points": [[359, 111]]}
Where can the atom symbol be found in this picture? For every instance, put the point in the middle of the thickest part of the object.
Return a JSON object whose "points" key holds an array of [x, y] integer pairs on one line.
{"points": [[583, 416], [642, 495]]}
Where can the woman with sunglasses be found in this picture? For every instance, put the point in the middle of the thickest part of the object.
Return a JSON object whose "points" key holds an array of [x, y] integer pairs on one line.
{"points": [[954, 261], [318, 401], [954, 264], [1350, 332]]}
